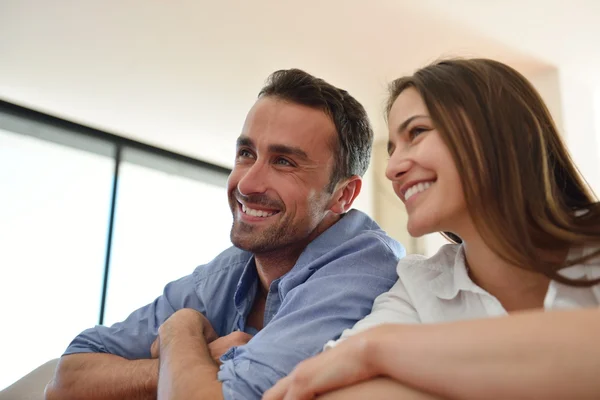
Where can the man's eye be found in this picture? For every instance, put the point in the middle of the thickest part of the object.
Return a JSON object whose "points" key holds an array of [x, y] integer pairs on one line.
{"points": [[243, 153], [283, 161]]}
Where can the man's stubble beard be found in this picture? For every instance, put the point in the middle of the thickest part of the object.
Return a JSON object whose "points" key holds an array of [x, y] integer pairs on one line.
{"points": [[273, 238], [283, 235]]}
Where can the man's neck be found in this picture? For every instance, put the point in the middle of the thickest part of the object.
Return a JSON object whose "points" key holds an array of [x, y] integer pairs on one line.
{"points": [[272, 266], [268, 268]]}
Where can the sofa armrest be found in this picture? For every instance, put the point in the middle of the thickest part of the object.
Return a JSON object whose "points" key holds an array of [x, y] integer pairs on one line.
{"points": [[32, 385]]}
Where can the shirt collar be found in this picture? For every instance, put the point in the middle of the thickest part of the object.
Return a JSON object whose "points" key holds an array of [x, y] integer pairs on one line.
{"points": [[450, 261], [246, 288], [580, 271], [348, 227]]}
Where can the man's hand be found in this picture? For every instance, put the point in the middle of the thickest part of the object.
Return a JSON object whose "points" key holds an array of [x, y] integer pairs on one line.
{"points": [[183, 322], [221, 345], [186, 367], [155, 348], [217, 347]]}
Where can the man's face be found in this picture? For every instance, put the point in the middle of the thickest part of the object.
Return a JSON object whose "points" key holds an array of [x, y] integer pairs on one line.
{"points": [[277, 189]]}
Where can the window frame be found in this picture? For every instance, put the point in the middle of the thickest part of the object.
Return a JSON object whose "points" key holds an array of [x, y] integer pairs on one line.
{"points": [[21, 120]]}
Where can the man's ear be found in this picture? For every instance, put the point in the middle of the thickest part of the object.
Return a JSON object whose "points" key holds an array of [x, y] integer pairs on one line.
{"points": [[344, 194]]}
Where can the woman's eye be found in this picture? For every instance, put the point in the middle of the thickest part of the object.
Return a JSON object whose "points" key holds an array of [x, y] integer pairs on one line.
{"points": [[416, 131]]}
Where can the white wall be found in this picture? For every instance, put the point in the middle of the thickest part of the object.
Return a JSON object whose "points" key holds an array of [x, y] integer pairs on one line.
{"points": [[182, 75], [580, 120], [597, 124]]}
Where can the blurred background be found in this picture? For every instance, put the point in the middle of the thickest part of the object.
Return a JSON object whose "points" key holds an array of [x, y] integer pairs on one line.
{"points": [[118, 121]]}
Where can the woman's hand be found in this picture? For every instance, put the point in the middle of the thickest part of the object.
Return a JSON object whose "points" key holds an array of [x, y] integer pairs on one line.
{"points": [[344, 365]]}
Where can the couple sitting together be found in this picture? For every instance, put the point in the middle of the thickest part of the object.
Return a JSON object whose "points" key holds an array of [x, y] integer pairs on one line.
{"points": [[316, 301]]}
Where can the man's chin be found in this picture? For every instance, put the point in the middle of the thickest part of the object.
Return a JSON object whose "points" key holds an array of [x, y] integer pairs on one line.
{"points": [[241, 228], [243, 242], [249, 243], [255, 248]]}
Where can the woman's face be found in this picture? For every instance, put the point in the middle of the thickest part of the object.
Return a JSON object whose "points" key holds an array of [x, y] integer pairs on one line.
{"points": [[422, 170]]}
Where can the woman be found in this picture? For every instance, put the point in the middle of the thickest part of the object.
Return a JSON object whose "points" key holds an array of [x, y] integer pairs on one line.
{"points": [[474, 153]]}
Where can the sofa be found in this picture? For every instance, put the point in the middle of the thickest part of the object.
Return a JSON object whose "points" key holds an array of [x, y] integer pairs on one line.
{"points": [[31, 386]]}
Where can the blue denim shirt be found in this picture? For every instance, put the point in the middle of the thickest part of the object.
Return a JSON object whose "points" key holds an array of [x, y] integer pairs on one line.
{"points": [[332, 286]]}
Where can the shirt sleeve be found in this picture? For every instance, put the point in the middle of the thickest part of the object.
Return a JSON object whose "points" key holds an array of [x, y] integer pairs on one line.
{"points": [[317, 308], [393, 307], [133, 337]]}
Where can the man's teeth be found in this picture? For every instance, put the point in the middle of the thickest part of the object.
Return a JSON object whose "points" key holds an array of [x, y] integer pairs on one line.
{"points": [[256, 213], [417, 188]]}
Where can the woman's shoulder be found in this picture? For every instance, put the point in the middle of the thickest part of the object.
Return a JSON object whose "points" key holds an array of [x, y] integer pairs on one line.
{"points": [[441, 261], [439, 270], [439, 276]]}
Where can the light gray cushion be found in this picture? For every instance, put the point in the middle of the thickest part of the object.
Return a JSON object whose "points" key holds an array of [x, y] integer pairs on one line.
{"points": [[31, 386]]}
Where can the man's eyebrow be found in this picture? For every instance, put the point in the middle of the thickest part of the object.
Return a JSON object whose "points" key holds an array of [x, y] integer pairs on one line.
{"points": [[244, 141], [289, 150]]}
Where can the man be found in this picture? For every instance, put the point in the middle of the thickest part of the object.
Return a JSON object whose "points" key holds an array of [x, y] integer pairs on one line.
{"points": [[303, 269]]}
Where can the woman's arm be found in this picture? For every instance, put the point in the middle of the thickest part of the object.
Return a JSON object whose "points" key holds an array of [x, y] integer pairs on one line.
{"points": [[377, 389], [550, 355]]}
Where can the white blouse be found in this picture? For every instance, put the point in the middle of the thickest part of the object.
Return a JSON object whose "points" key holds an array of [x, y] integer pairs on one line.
{"points": [[438, 289]]}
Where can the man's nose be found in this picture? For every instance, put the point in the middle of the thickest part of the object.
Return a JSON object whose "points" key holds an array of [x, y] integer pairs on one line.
{"points": [[254, 180]]}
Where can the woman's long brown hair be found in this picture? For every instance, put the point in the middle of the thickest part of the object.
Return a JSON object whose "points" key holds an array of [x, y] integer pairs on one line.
{"points": [[522, 189]]}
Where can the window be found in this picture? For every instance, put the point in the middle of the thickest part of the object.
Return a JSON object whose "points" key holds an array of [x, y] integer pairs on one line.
{"points": [[54, 210], [165, 226], [92, 226]]}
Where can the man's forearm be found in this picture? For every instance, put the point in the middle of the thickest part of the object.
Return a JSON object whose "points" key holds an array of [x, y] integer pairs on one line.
{"points": [[530, 355], [187, 370], [104, 377]]}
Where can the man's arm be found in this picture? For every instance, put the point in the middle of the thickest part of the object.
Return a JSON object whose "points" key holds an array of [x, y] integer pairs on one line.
{"points": [[103, 376], [115, 362], [141, 374], [187, 369]]}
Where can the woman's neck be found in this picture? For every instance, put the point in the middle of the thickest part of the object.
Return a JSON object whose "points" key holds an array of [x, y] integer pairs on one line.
{"points": [[515, 287]]}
